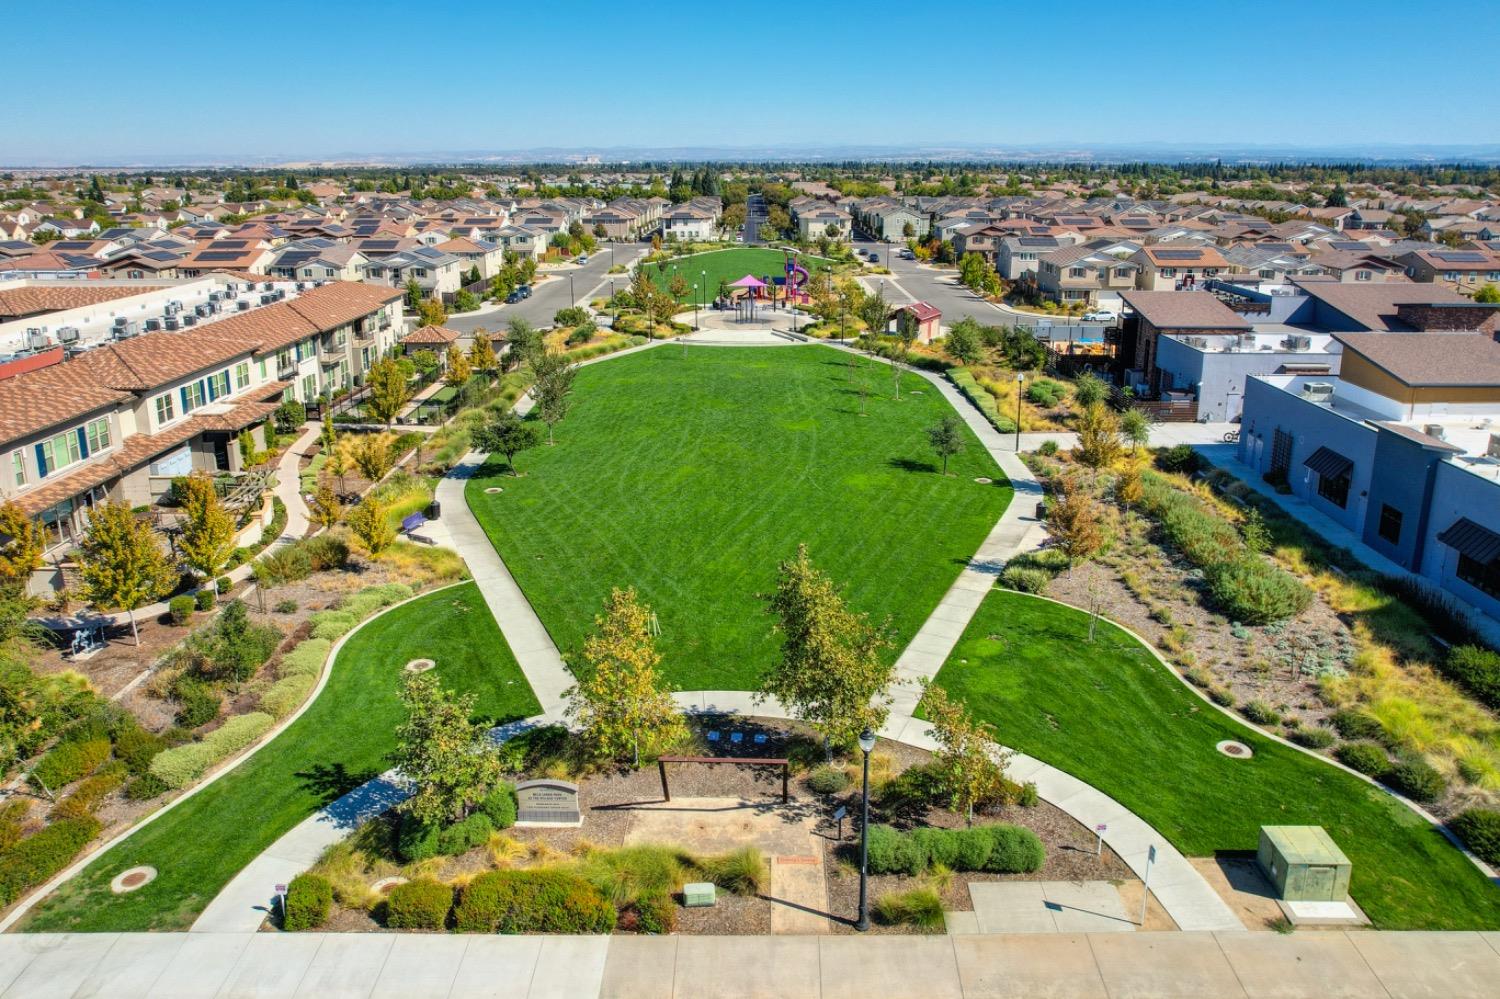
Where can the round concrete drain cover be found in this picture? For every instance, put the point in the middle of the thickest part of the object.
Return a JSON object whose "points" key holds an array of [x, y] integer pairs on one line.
{"points": [[1238, 750], [492, 490], [384, 885], [135, 877], [420, 665], [983, 481]]}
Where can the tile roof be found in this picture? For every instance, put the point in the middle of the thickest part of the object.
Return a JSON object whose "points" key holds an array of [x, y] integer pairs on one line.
{"points": [[54, 298], [431, 334], [1196, 310], [1431, 360]]}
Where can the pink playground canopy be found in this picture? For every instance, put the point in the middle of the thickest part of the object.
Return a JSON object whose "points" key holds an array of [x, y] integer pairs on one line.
{"points": [[749, 281]]}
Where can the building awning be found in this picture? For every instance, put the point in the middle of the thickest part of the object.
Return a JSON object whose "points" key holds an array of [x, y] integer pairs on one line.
{"points": [[1329, 464], [1467, 538]]}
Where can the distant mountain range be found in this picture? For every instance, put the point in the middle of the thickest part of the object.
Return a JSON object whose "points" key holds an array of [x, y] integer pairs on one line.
{"points": [[1082, 152]]}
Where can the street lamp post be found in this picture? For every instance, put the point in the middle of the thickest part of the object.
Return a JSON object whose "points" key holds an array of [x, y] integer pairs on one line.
{"points": [[1020, 377], [866, 743], [572, 298], [695, 306]]}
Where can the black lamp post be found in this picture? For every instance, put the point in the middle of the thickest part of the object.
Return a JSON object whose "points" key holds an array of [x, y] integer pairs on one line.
{"points": [[695, 306], [866, 743], [572, 298]]}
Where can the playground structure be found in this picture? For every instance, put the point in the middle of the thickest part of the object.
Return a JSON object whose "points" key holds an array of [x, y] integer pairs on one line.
{"points": [[749, 290]]}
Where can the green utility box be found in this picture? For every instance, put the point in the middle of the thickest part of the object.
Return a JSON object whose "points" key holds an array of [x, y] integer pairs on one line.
{"points": [[1303, 864], [698, 893]]}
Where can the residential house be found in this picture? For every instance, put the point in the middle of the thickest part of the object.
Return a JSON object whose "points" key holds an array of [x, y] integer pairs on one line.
{"points": [[1172, 267], [820, 219], [438, 274], [1462, 270], [1154, 314], [1088, 274]]}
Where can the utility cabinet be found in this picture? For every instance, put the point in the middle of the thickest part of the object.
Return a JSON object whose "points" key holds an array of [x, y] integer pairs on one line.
{"points": [[1303, 864]]}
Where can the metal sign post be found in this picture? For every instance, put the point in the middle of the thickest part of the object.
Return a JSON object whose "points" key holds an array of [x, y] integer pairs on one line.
{"points": [[1146, 883], [1099, 831], [281, 894], [839, 813]]}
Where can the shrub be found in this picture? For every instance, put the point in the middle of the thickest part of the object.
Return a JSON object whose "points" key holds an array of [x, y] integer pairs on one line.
{"points": [[137, 747], [146, 787], [416, 840], [306, 659], [1180, 458], [1047, 448], [627, 875], [205, 599], [532, 901], [89, 792], [1366, 757], [500, 806], [1476, 669], [1014, 850], [197, 702], [1254, 591], [325, 551], [1029, 797], [1417, 779], [184, 764], [286, 695], [1311, 738], [1352, 724], [465, 834], [331, 624], [421, 904], [1260, 712], [67, 762], [1025, 580], [919, 907], [36, 858], [828, 780], [308, 899], [236, 647], [180, 609], [285, 607], [912, 792], [223, 584], [656, 914], [1222, 696], [1480, 829], [741, 872]]}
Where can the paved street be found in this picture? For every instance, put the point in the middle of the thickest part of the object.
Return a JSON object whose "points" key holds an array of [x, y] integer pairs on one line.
{"points": [[552, 294], [755, 214], [1303, 965]]}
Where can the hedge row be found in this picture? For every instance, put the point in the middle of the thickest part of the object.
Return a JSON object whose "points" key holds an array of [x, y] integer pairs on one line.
{"points": [[306, 659], [182, 765], [286, 695], [981, 398], [36, 858], [308, 901], [69, 761], [532, 902], [999, 849]]}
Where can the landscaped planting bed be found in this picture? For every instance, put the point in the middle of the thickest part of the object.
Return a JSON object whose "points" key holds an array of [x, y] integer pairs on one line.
{"points": [[1111, 714], [341, 741], [691, 475]]}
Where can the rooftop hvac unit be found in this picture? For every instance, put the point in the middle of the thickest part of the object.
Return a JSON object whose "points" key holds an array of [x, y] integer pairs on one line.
{"points": [[243, 305], [152, 325], [215, 296], [1196, 341], [266, 286], [301, 285], [202, 309], [279, 294], [1433, 430], [1317, 390], [267, 299], [126, 332], [189, 320], [1247, 341], [67, 334], [1493, 451], [121, 321], [171, 323], [36, 339], [231, 294], [1299, 342]]}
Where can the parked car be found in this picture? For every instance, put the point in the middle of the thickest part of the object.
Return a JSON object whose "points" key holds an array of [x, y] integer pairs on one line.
{"points": [[525, 290], [908, 255], [514, 297], [583, 258], [1100, 316]]}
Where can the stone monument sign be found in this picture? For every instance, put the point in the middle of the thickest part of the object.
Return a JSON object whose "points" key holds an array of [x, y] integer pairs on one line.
{"points": [[547, 803]]}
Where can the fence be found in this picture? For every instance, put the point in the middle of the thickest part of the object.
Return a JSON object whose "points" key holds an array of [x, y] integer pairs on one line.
{"points": [[1170, 411]]}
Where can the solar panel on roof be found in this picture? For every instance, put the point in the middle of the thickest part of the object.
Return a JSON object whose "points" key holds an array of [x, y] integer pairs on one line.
{"points": [[213, 255], [1178, 254], [1462, 257]]}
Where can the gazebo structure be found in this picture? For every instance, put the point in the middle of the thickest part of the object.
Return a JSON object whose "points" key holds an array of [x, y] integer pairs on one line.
{"points": [[744, 306]]}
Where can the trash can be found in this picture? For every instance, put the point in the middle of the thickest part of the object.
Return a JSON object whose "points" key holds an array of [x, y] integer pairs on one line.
{"points": [[434, 510], [1041, 510]]}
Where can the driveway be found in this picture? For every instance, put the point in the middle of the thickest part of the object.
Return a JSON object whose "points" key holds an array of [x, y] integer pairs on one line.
{"points": [[589, 281]]}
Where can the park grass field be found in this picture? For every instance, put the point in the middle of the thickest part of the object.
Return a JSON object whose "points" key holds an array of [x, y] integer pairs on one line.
{"points": [[691, 475], [341, 741], [709, 269], [1111, 714]]}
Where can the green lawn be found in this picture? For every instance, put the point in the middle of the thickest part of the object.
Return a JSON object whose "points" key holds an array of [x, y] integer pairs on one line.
{"points": [[1112, 715], [691, 476], [730, 266], [341, 742]]}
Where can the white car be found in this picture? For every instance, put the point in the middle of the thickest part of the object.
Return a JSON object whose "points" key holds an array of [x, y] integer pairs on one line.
{"points": [[1100, 316]]}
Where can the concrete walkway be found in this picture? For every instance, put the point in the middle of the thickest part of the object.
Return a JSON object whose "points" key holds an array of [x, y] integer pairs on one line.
{"points": [[1302, 965]]}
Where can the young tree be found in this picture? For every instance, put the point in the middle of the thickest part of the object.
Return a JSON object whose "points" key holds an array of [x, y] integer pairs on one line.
{"points": [[121, 563], [525, 340], [971, 271], [971, 765], [1098, 436], [207, 538], [620, 699], [1088, 389], [372, 456], [458, 367], [1128, 487], [390, 390], [413, 294], [430, 312], [22, 543], [509, 435], [830, 673], [330, 434], [447, 757], [1489, 294], [875, 313], [325, 506], [554, 385], [1136, 428], [1073, 518], [482, 353], [370, 523], [337, 465], [947, 439]]}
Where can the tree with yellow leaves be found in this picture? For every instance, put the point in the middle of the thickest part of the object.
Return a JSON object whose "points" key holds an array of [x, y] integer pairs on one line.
{"points": [[458, 367], [482, 353], [971, 766], [207, 538], [620, 699]]}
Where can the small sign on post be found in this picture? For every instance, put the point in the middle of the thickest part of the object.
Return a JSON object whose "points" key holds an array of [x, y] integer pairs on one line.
{"points": [[839, 813], [1146, 882], [281, 894], [1099, 831]]}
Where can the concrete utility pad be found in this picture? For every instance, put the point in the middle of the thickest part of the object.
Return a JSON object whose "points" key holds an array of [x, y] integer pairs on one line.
{"points": [[718, 825], [1049, 907]]}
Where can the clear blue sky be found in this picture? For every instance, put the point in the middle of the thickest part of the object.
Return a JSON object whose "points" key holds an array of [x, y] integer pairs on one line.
{"points": [[127, 80]]}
